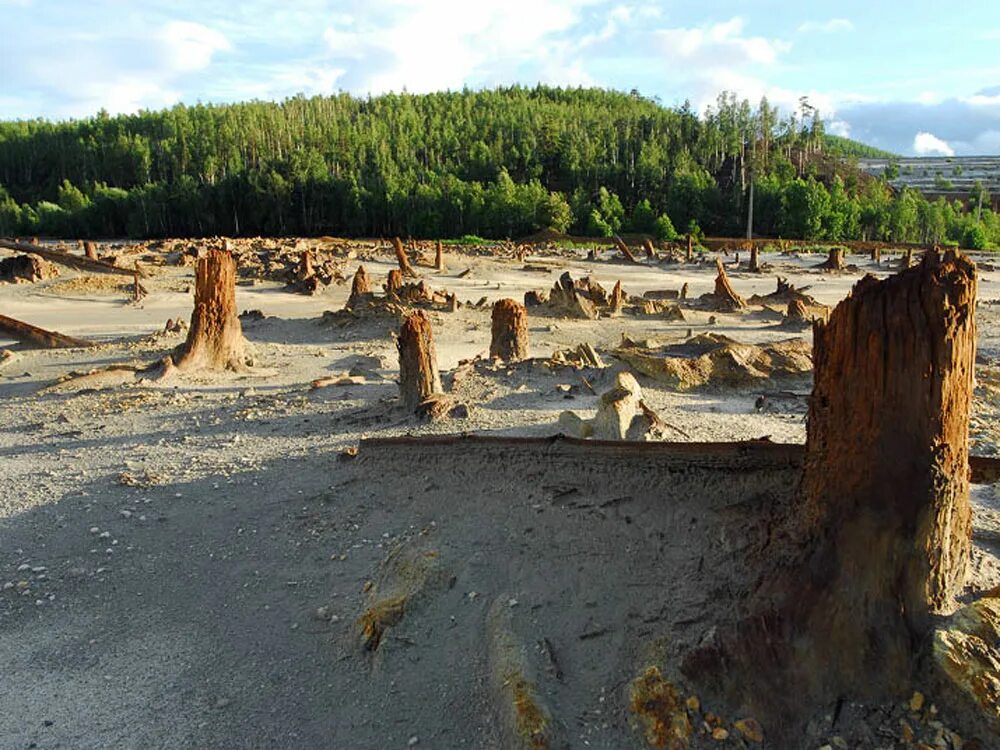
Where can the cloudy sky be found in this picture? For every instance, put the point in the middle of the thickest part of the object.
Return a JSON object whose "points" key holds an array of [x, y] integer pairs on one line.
{"points": [[915, 76]]}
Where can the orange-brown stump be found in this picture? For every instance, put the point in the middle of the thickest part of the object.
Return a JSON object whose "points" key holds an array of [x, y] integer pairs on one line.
{"points": [[418, 370], [796, 311], [880, 540], [650, 249], [690, 248], [393, 284], [90, 250], [361, 288], [402, 258], [439, 257], [834, 260], [754, 266], [617, 302], [624, 249], [215, 340], [877, 255], [725, 295], [509, 341]]}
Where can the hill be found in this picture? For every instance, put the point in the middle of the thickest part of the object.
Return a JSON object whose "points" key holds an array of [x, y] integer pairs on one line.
{"points": [[495, 163]]}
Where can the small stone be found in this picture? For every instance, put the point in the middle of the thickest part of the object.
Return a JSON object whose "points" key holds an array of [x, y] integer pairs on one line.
{"points": [[720, 734], [414, 740], [750, 729], [917, 701], [839, 742], [323, 613], [104, 535], [94, 530], [222, 702], [693, 703], [23, 567], [905, 732]]}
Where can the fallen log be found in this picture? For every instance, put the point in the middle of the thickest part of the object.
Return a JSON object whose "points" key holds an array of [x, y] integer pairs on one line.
{"points": [[39, 337], [402, 258], [62, 258], [620, 244]]}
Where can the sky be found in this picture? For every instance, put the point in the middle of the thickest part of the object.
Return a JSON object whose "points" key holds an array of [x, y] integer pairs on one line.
{"points": [[911, 76]]}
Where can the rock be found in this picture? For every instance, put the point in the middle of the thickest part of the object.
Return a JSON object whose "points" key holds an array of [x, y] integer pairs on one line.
{"points": [[750, 729], [572, 425]]}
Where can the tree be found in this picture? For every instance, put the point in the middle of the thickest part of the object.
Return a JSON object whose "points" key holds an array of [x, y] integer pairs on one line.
{"points": [[663, 228]]}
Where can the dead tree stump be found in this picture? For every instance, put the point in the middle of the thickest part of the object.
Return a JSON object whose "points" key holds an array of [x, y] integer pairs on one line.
{"points": [[418, 370], [215, 339], [393, 284], [834, 261], [907, 260], [726, 297], [880, 539], [877, 255], [690, 248], [623, 248], [650, 249], [617, 303], [439, 257], [361, 289], [796, 311], [401, 257], [754, 266], [90, 250], [509, 341]]}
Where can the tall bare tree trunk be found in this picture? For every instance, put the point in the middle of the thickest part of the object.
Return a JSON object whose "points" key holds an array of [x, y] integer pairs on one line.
{"points": [[418, 370], [439, 257], [509, 340], [215, 340]]}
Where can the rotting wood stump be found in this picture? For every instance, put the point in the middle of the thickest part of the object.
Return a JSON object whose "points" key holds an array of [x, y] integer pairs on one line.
{"points": [[361, 289], [393, 284], [796, 311], [754, 265], [509, 340], [834, 260], [418, 371], [402, 258], [215, 339], [880, 541], [617, 302], [90, 250], [650, 249], [877, 255], [725, 296], [439, 257], [624, 249]]}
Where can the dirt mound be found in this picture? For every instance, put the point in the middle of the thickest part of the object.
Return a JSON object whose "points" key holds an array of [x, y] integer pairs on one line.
{"points": [[711, 359], [26, 269]]}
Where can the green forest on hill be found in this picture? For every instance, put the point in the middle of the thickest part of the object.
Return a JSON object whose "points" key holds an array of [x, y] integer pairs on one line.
{"points": [[495, 163]]}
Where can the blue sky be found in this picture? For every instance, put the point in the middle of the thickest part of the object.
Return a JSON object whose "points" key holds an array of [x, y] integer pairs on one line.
{"points": [[915, 77]]}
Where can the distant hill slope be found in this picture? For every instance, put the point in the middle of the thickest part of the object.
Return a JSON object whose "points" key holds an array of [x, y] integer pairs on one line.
{"points": [[949, 176], [840, 146]]}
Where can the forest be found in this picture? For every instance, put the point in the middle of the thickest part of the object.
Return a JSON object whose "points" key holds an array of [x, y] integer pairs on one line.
{"points": [[500, 163]]}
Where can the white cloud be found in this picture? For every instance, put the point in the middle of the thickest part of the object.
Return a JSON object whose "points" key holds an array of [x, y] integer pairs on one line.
{"points": [[719, 45], [826, 27], [189, 46], [927, 144]]}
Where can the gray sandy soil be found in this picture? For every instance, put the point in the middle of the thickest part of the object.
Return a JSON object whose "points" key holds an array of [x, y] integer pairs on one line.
{"points": [[183, 564]]}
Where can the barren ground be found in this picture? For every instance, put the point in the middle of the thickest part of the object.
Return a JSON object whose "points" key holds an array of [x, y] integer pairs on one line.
{"points": [[187, 560]]}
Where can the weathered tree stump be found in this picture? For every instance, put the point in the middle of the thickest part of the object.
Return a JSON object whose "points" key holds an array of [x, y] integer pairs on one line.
{"points": [[617, 303], [439, 257], [683, 292], [509, 340], [690, 248], [754, 265], [796, 311], [418, 371], [725, 296], [393, 284], [305, 269], [215, 339], [907, 260], [834, 261], [623, 248], [361, 289], [401, 257], [877, 255], [880, 539], [650, 249], [90, 250]]}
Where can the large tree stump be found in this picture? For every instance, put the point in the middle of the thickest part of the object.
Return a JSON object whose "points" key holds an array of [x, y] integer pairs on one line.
{"points": [[650, 249], [361, 289], [90, 250], [880, 540], [877, 255], [215, 339], [509, 341], [834, 260], [725, 296], [418, 370], [402, 258], [796, 311], [617, 302], [754, 266]]}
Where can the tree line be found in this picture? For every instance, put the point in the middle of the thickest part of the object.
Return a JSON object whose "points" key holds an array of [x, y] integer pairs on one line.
{"points": [[495, 163]]}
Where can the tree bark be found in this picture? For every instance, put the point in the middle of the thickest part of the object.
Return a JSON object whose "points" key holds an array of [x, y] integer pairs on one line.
{"points": [[215, 340], [439, 257], [418, 370], [509, 341], [361, 288], [401, 257], [617, 298], [690, 248]]}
